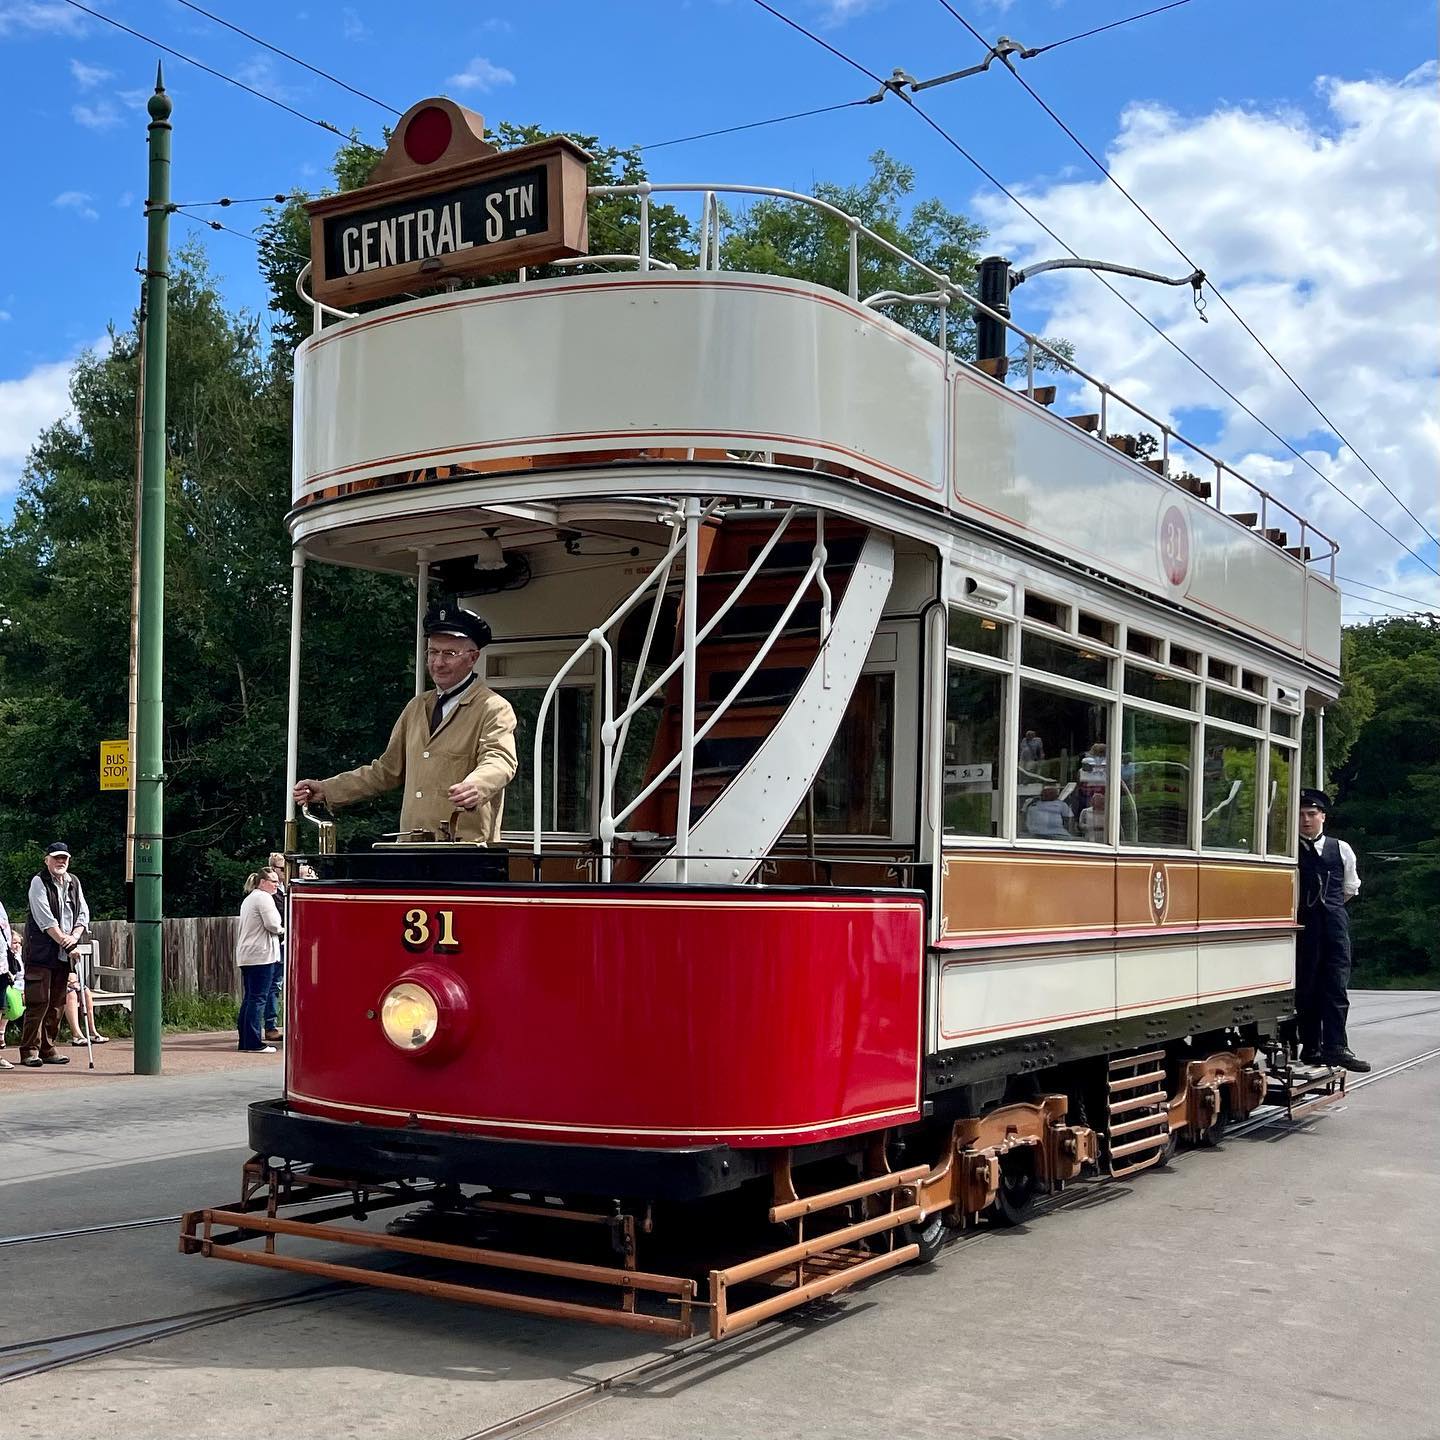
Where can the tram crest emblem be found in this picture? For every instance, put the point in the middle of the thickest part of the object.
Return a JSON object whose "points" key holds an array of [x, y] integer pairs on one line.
{"points": [[1159, 893]]}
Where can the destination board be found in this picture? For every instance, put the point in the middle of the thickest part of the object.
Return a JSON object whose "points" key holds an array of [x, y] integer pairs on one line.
{"points": [[445, 205]]}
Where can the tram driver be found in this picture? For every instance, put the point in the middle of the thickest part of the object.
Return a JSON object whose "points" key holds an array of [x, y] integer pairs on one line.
{"points": [[453, 747]]}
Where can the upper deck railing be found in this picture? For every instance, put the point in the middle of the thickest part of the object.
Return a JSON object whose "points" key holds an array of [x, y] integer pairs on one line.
{"points": [[1268, 508]]}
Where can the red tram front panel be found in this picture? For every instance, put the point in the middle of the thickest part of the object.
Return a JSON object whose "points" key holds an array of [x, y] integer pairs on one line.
{"points": [[625, 1016]]}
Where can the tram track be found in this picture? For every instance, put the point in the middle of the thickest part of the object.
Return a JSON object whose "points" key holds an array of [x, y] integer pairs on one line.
{"points": [[26, 1358], [1082, 1195]]}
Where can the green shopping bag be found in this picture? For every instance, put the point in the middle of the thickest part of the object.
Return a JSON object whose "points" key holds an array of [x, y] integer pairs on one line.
{"points": [[14, 1002]]}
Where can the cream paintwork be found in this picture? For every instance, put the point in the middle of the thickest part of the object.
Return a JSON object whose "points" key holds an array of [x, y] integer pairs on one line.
{"points": [[617, 362], [985, 1000], [1232, 967], [1155, 977], [754, 363]]}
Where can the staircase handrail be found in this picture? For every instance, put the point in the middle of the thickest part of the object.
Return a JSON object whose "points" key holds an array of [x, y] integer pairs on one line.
{"points": [[817, 563], [595, 638]]}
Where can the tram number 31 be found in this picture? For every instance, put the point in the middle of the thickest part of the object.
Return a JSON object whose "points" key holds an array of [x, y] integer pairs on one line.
{"points": [[421, 931]]}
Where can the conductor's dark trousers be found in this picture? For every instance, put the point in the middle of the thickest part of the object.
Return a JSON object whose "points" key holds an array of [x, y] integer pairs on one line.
{"points": [[1322, 961]]}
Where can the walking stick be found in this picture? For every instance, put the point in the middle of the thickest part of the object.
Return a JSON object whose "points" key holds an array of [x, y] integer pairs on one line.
{"points": [[80, 954]]}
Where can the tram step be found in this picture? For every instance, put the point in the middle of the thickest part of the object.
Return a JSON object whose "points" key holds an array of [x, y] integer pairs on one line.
{"points": [[1245, 517], [1089, 423], [1135, 1086]]}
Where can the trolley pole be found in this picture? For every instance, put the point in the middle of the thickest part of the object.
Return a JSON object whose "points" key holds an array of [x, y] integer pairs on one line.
{"points": [[150, 780]]}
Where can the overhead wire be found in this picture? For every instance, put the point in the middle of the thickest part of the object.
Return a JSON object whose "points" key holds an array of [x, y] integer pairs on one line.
{"points": [[218, 74], [1371, 600], [1099, 29], [1124, 299], [1399, 595], [288, 55], [756, 124], [1181, 252]]}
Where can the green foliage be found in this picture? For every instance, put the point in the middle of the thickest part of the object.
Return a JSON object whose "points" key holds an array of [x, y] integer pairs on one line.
{"points": [[1388, 797], [779, 237]]}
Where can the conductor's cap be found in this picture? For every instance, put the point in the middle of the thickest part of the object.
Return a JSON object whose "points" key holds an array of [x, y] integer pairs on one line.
{"points": [[452, 620], [1315, 800]]}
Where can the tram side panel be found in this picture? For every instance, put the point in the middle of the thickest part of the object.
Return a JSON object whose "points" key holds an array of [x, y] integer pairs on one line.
{"points": [[1036, 944], [743, 1017]]}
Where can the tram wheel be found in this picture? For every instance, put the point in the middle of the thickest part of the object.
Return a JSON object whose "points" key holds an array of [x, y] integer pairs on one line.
{"points": [[1016, 1196], [1216, 1133], [928, 1234]]}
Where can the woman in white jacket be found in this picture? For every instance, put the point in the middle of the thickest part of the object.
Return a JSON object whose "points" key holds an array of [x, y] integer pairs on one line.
{"points": [[257, 948]]}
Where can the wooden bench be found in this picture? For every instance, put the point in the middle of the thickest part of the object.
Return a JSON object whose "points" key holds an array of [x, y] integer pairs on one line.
{"points": [[109, 984]]}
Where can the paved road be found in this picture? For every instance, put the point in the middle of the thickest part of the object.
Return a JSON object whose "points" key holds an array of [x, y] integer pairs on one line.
{"points": [[1283, 1286]]}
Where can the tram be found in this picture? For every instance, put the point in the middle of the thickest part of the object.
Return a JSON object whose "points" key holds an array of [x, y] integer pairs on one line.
{"points": [[905, 821]]}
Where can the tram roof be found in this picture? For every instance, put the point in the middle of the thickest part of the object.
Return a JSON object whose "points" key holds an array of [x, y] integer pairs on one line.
{"points": [[419, 425]]}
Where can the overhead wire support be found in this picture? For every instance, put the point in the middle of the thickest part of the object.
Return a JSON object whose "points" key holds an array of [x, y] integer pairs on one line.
{"points": [[1010, 47], [1124, 299]]}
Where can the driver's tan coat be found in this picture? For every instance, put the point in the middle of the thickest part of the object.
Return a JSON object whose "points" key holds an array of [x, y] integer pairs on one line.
{"points": [[475, 741]]}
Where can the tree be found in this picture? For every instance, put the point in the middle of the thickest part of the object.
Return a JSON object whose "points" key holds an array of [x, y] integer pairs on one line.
{"points": [[782, 237], [1387, 798], [65, 601]]}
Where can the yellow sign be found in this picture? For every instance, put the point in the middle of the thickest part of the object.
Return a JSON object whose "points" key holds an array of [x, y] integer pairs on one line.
{"points": [[114, 764]]}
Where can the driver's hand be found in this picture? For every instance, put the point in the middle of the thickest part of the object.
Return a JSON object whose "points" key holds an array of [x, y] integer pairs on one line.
{"points": [[308, 790], [466, 795]]}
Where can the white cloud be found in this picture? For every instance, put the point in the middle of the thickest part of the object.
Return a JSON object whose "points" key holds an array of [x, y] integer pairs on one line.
{"points": [[39, 17], [259, 73], [77, 200], [102, 116], [481, 75], [27, 405], [87, 77], [1324, 237], [496, 26], [352, 27], [5, 315]]}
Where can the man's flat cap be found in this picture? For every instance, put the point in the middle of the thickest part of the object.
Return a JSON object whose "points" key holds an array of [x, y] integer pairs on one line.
{"points": [[452, 620], [57, 847]]}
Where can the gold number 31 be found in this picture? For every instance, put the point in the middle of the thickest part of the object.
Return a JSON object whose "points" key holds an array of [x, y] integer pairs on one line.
{"points": [[415, 935]]}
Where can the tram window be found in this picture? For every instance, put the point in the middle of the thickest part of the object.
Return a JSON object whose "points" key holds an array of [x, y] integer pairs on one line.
{"points": [[853, 789], [1231, 708], [1221, 670], [1048, 612], [1155, 769], [567, 772], [979, 633], [974, 703], [1282, 724], [1227, 809], [1065, 662], [1094, 628], [1062, 762], [1183, 659], [1252, 682], [1279, 838], [1163, 689], [1141, 644]]}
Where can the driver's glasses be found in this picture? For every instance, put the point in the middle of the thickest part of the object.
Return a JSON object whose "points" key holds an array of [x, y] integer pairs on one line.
{"points": [[444, 654]]}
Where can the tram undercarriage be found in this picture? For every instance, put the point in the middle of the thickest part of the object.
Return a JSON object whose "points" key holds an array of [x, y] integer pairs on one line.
{"points": [[781, 1227]]}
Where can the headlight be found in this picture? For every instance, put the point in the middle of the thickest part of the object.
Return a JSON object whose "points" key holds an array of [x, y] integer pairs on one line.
{"points": [[409, 1016]]}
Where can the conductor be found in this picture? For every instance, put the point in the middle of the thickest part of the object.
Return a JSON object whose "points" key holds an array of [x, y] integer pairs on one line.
{"points": [[1329, 880], [453, 747]]}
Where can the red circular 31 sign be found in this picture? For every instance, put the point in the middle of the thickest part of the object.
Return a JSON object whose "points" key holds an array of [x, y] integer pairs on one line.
{"points": [[1174, 545]]}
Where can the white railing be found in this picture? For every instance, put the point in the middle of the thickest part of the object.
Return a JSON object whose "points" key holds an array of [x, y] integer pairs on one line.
{"points": [[614, 729], [1268, 507]]}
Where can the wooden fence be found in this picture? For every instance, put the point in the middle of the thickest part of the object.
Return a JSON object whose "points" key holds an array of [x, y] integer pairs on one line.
{"points": [[197, 953]]}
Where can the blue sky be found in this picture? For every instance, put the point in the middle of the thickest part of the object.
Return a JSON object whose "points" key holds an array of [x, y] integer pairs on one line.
{"points": [[1268, 139]]}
